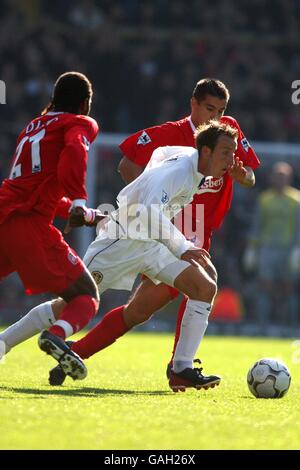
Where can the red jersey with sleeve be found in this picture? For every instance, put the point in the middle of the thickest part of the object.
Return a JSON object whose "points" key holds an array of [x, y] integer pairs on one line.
{"points": [[49, 164], [215, 194]]}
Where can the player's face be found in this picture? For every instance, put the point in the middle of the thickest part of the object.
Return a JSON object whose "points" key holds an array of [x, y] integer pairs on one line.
{"points": [[222, 157], [210, 107]]}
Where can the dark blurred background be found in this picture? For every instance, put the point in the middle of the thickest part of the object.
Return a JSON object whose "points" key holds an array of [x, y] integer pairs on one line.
{"points": [[144, 58]]}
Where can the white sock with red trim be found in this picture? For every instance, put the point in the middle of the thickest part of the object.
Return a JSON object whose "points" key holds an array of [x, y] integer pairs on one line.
{"points": [[36, 320]]}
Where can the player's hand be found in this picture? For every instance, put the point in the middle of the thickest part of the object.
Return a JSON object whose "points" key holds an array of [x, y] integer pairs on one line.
{"points": [[75, 219], [196, 257], [80, 216], [237, 171]]}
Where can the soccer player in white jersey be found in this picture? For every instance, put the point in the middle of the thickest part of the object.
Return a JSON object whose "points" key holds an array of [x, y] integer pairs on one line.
{"points": [[139, 237]]}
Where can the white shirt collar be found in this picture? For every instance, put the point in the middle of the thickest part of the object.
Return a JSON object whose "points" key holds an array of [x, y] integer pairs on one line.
{"points": [[191, 124]]}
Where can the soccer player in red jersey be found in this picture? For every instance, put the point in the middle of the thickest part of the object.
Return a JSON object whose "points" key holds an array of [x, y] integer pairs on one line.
{"points": [[209, 101], [47, 177]]}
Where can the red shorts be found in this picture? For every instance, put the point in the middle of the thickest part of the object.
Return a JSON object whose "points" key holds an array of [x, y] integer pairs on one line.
{"points": [[39, 254]]}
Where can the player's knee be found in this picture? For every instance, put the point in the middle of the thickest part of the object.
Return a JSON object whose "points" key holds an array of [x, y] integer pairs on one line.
{"points": [[85, 285], [204, 290]]}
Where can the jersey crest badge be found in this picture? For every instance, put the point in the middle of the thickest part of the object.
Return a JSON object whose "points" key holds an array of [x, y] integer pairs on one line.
{"points": [[144, 139], [98, 276], [245, 144]]}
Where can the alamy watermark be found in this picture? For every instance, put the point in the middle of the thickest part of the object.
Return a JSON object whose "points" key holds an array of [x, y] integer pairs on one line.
{"points": [[296, 94], [2, 92], [140, 222]]}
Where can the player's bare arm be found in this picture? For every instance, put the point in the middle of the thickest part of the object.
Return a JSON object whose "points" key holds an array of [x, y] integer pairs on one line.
{"points": [[243, 175], [129, 170]]}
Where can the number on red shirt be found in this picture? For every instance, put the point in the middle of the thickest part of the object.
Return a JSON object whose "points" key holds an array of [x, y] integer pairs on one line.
{"points": [[16, 170]]}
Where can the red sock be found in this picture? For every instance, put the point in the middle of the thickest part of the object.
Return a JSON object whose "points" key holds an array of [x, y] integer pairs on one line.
{"points": [[110, 328], [178, 324], [76, 314]]}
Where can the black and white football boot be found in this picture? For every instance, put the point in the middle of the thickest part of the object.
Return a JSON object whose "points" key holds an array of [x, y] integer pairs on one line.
{"points": [[192, 378], [57, 375], [70, 363]]}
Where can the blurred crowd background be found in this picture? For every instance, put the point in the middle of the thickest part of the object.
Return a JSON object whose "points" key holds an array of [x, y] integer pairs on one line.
{"points": [[144, 58]]}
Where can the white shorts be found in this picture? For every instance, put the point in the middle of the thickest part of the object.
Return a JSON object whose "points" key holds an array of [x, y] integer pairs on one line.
{"points": [[115, 264]]}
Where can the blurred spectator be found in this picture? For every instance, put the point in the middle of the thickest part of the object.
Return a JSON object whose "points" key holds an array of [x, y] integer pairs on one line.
{"points": [[274, 248]]}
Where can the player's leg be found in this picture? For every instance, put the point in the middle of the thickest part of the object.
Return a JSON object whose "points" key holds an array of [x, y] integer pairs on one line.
{"points": [[201, 289], [82, 301], [180, 314], [37, 319], [81, 304], [45, 315], [46, 263], [211, 270], [146, 300], [116, 265], [56, 268]]}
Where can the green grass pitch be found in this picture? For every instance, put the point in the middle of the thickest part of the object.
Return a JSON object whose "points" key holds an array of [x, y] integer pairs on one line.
{"points": [[125, 402]]}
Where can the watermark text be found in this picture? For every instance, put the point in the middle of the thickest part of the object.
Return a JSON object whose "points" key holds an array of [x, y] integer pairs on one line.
{"points": [[2, 92], [296, 94]]}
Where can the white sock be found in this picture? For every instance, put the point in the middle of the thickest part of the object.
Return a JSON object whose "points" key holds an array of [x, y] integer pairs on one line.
{"points": [[193, 327], [36, 320]]}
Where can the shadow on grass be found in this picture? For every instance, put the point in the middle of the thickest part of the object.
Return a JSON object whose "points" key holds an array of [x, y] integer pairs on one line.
{"points": [[79, 392]]}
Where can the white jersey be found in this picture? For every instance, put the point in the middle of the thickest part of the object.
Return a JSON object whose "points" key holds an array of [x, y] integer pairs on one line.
{"points": [[167, 184]]}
